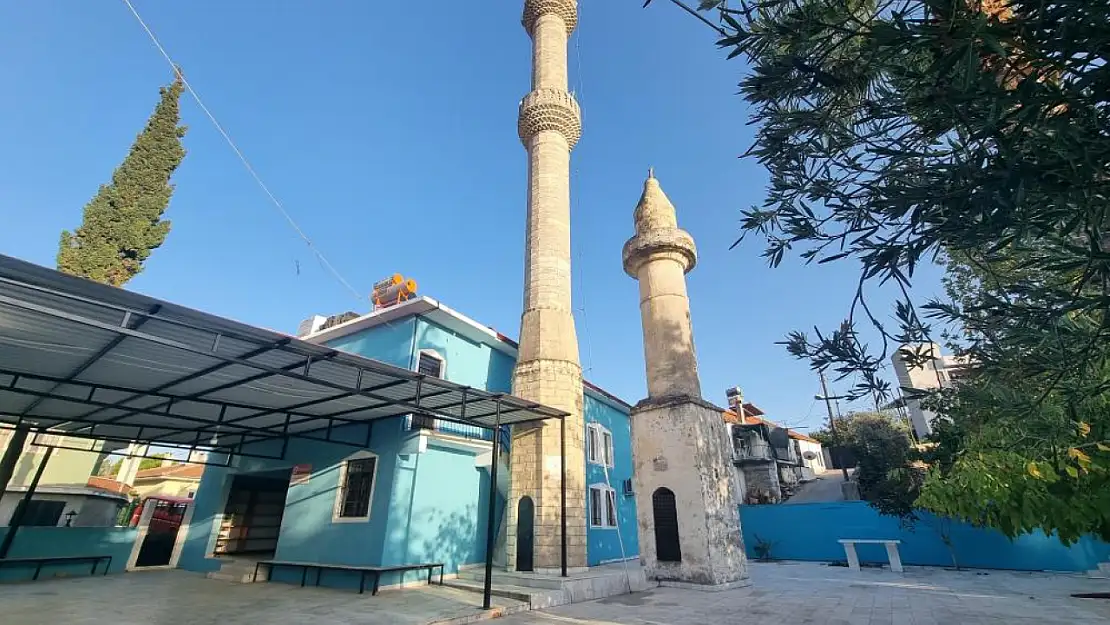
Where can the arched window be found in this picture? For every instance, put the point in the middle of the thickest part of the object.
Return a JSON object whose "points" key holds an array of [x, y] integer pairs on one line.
{"points": [[666, 526]]}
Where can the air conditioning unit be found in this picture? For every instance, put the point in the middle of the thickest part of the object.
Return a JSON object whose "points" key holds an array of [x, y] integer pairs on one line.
{"points": [[626, 487], [311, 325]]}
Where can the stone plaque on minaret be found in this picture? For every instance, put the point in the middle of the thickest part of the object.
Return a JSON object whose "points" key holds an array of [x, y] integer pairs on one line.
{"points": [[686, 500], [547, 369]]}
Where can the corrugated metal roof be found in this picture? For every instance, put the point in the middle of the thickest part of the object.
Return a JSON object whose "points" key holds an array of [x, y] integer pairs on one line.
{"points": [[98, 361]]}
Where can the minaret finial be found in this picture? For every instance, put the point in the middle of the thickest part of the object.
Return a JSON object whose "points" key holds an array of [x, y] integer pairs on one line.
{"points": [[651, 172]]}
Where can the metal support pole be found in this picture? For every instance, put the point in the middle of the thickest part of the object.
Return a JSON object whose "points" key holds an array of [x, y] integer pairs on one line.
{"points": [[21, 510], [563, 489], [487, 591], [11, 455], [838, 445]]}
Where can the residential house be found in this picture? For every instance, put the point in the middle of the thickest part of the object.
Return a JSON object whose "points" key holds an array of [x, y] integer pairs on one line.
{"points": [[924, 367], [63, 495], [770, 461], [172, 479]]}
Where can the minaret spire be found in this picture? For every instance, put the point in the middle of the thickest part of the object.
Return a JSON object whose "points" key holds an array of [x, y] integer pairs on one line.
{"points": [[547, 369], [659, 256], [686, 499]]}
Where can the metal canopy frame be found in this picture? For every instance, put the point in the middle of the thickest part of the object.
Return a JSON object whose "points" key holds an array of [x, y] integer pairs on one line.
{"points": [[82, 359], [89, 360]]}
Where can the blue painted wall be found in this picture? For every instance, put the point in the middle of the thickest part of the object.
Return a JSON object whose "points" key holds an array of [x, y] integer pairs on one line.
{"points": [[442, 506], [32, 542], [307, 531], [473, 364], [391, 344], [810, 532], [429, 507], [605, 544]]}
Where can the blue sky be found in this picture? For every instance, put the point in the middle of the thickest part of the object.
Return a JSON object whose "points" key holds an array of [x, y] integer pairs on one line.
{"points": [[388, 130]]}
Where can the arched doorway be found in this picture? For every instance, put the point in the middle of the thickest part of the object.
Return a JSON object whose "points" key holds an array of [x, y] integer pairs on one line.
{"points": [[666, 526], [525, 533]]}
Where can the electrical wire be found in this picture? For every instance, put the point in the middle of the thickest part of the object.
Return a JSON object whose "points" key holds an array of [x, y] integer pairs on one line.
{"points": [[585, 319], [239, 153], [620, 539], [577, 211]]}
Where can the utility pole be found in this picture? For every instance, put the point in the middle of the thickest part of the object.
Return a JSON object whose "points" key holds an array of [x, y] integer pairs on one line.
{"points": [[832, 420]]}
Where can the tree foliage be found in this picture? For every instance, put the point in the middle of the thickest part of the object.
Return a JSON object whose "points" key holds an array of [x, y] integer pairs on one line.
{"points": [[111, 469], [123, 223], [888, 470], [973, 132]]}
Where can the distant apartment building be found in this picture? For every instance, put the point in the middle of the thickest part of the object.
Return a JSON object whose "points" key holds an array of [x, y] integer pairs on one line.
{"points": [[924, 367], [769, 460]]}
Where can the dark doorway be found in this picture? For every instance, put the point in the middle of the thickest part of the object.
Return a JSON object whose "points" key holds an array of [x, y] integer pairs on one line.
{"points": [[666, 526], [252, 517], [525, 533], [161, 534]]}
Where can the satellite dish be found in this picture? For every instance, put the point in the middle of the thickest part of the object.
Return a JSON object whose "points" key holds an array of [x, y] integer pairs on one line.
{"points": [[809, 455]]}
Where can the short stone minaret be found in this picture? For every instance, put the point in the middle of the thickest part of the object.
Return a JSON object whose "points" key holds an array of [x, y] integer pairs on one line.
{"points": [[547, 369], [686, 497]]}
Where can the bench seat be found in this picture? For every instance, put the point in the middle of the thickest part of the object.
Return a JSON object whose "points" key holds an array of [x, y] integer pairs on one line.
{"points": [[891, 551], [363, 571]]}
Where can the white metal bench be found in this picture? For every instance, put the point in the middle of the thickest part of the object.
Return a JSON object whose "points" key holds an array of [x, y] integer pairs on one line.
{"points": [[891, 552]]}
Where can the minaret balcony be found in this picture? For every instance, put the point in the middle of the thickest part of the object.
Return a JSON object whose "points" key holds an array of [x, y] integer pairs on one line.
{"points": [[660, 243], [549, 109]]}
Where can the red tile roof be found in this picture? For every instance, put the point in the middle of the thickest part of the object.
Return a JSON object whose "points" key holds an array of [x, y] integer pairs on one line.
{"points": [[731, 417], [177, 471], [108, 484]]}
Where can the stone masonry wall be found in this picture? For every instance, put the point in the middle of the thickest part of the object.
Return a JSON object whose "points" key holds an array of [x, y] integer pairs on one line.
{"points": [[548, 369]]}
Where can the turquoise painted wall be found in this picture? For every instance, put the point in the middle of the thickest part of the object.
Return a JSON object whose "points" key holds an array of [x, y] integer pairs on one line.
{"points": [[391, 344], [32, 542], [426, 507], [810, 532], [307, 531], [473, 364], [441, 505], [605, 544]]}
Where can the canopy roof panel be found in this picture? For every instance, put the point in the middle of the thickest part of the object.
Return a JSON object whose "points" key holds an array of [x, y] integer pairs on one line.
{"points": [[96, 361]]}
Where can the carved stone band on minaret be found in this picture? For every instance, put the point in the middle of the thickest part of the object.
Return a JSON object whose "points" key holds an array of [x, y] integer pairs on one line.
{"points": [[549, 109], [535, 9], [674, 243]]}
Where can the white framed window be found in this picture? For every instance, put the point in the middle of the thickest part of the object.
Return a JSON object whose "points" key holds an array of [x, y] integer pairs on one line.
{"points": [[429, 362], [599, 445], [355, 495], [603, 506]]}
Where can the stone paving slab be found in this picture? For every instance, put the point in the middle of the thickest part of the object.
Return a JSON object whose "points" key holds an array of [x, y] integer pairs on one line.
{"points": [[179, 597], [794, 593], [814, 594]]}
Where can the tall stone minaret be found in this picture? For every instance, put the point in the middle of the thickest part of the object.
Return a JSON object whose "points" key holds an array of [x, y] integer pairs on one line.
{"points": [[686, 498], [547, 369]]}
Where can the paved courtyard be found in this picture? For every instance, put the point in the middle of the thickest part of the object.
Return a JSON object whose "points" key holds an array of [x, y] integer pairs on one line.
{"points": [[810, 593], [795, 593], [173, 597]]}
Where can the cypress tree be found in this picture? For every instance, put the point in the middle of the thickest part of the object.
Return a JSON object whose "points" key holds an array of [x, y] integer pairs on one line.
{"points": [[123, 223]]}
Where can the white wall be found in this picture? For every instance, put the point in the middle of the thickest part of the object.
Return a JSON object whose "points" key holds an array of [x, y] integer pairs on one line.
{"points": [[91, 511], [817, 465]]}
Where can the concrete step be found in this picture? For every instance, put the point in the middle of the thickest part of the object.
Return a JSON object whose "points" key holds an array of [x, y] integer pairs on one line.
{"points": [[239, 571], [536, 598], [237, 577], [512, 579]]}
